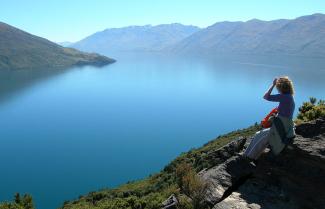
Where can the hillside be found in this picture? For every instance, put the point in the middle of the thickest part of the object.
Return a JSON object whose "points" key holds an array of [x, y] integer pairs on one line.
{"points": [[303, 36], [21, 50], [135, 38]]}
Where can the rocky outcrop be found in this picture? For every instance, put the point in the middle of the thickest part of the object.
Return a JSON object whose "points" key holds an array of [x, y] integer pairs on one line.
{"points": [[295, 179]]}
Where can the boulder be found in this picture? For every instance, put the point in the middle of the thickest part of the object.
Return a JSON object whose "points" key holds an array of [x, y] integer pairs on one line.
{"points": [[224, 178]]}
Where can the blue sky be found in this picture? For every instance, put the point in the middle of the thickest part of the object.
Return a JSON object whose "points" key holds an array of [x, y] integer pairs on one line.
{"points": [[72, 20]]}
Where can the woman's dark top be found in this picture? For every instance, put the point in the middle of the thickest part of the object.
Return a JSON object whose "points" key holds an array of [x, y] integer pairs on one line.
{"points": [[286, 106]]}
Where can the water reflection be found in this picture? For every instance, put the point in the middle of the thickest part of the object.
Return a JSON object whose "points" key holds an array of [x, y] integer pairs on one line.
{"points": [[14, 83]]}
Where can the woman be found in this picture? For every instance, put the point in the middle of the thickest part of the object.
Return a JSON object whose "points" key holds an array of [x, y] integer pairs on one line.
{"points": [[271, 136]]}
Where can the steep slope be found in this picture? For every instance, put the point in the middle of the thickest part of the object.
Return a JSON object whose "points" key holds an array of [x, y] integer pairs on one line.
{"points": [[135, 38], [303, 36], [21, 50]]}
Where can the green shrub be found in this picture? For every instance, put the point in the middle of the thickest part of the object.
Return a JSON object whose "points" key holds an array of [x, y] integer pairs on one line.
{"points": [[191, 185], [311, 110], [25, 202]]}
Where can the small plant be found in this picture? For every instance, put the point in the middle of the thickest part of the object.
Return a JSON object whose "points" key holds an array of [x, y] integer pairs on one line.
{"points": [[17, 198], [191, 185], [313, 100], [27, 202]]}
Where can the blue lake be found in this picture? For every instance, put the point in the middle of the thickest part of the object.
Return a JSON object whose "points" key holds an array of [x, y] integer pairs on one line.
{"points": [[66, 133]]}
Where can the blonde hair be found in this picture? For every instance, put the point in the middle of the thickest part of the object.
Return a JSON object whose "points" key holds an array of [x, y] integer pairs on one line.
{"points": [[285, 85]]}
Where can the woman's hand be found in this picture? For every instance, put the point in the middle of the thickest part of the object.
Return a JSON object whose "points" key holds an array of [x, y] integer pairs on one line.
{"points": [[274, 81], [268, 93]]}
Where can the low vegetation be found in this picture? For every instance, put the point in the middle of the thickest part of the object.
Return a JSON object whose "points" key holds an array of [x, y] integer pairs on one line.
{"points": [[178, 177], [19, 202]]}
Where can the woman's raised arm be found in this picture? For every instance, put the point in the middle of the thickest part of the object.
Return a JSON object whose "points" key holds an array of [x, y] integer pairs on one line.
{"points": [[268, 93]]}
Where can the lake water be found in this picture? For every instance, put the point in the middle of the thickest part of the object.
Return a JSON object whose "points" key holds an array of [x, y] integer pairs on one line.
{"points": [[66, 133]]}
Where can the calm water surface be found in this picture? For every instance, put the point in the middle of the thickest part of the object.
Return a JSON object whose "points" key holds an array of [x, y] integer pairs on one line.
{"points": [[66, 133]]}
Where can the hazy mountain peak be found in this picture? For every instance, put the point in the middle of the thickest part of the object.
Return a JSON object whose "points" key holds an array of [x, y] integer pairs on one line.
{"points": [[315, 16], [255, 20], [318, 15]]}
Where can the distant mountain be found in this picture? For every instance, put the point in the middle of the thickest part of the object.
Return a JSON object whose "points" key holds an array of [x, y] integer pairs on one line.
{"points": [[65, 43], [21, 50], [136, 38], [303, 36]]}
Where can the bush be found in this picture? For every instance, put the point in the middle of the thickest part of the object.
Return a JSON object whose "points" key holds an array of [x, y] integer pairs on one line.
{"points": [[191, 185], [311, 110], [25, 202]]}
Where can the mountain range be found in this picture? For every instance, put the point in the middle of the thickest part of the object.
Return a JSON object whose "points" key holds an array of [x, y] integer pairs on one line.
{"points": [[136, 38], [21, 50], [303, 36]]}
